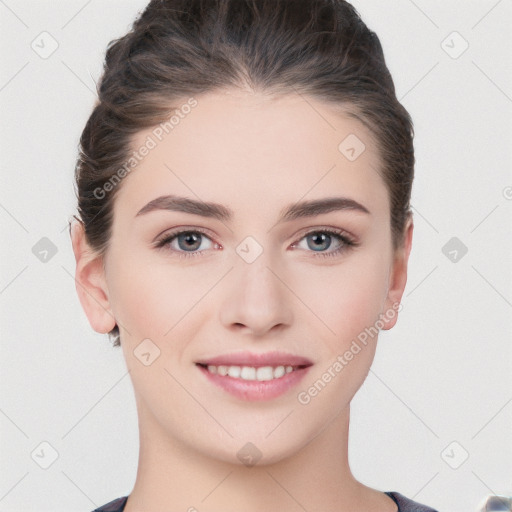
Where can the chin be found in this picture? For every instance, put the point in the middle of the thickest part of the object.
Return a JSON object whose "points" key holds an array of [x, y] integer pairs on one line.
{"points": [[259, 448]]}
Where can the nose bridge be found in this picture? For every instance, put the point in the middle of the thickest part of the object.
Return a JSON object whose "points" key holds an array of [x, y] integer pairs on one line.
{"points": [[254, 260], [256, 297]]}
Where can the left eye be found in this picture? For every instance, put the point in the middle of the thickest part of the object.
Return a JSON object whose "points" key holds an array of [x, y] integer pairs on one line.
{"points": [[318, 240]]}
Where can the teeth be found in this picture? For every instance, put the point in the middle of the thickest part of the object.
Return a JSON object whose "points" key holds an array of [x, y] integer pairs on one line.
{"points": [[248, 373], [261, 373], [279, 372], [265, 373], [234, 371]]}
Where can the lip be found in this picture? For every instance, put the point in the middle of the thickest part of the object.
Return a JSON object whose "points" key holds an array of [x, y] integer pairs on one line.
{"points": [[274, 358], [254, 390]]}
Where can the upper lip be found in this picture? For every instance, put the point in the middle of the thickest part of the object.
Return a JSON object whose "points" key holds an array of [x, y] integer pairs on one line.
{"points": [[275, 358]]}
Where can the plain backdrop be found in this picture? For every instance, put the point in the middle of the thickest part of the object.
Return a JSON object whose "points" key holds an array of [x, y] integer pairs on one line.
{"points": [[433, 419]]}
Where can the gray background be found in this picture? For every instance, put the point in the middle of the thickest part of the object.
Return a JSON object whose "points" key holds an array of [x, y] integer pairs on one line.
{"points": [[433, 419]]}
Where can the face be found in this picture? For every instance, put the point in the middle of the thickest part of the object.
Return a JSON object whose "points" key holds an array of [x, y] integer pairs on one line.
{"points": [[263, 283]]}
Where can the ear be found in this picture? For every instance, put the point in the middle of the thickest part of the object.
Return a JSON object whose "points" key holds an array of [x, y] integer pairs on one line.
{"points": [[90, 282], [397, 279]]}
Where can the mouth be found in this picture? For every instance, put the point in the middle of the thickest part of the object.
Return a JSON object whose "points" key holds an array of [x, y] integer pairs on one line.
{"points": [[255, 377]]}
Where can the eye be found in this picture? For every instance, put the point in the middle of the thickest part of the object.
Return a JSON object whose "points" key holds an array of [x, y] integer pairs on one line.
{"points": [[185, 242], [322, 239]]}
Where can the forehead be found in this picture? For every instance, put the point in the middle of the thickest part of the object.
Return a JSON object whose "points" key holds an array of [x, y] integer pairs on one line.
{"points": [[235, 147]]}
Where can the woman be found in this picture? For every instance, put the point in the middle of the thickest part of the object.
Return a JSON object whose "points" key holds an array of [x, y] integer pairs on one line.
{"points": [[244, 230]]}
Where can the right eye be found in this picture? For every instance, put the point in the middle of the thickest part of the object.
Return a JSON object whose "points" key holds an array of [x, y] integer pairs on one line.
{"points": [[186, 242]]}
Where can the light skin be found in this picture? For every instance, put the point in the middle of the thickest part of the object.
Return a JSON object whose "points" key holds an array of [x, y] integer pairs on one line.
{"points": [[255, 155]]}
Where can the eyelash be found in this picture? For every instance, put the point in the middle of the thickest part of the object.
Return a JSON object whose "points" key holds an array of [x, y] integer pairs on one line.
{"points": [[347, 242]]}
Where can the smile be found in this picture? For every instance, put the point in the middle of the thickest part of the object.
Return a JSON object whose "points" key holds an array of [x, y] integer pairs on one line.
{"points": [[255, 377]]}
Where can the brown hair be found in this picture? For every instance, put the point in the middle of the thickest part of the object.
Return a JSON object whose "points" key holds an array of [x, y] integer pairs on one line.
{"points": [[181, 48]]}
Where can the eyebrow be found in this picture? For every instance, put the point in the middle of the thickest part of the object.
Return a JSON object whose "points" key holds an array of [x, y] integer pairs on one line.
{"points": [[294, 211]]}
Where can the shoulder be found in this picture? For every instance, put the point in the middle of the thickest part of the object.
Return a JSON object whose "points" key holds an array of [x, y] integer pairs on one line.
{"points": [[408, 505], [116, 505]]}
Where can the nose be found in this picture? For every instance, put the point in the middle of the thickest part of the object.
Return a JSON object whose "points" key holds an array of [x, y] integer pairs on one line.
{"points": [[256, 298]]}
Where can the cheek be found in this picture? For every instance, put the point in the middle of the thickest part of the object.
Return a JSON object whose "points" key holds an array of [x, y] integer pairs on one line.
{"points": [[350, 306], [153, 299], [345, 298]]}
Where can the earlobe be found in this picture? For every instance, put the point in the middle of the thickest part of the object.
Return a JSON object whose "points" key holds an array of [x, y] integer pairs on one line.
{"points": [[398, 279], [90, 282]]}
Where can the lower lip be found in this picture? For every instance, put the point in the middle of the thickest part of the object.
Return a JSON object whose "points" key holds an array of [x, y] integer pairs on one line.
{"points": [[255, 390]]}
